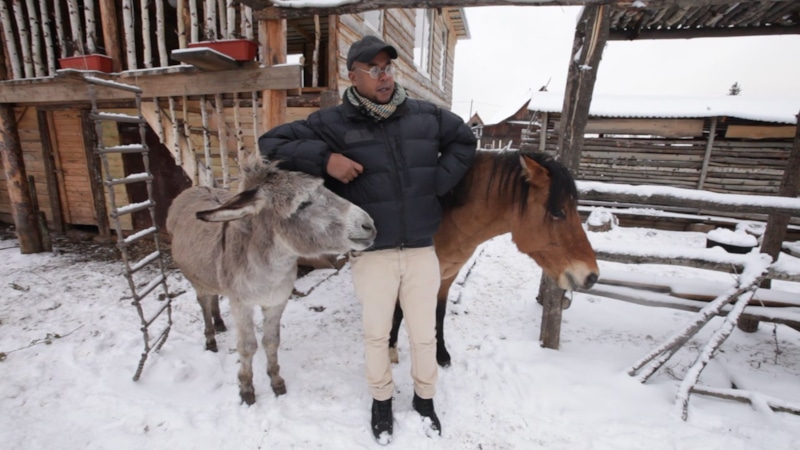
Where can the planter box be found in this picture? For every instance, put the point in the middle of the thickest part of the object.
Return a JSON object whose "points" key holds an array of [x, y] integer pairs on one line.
{"points": [[97, 62], [238, 49]]}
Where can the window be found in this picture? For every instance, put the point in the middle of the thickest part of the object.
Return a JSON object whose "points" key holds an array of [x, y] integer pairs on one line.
{"points": [[443, 60], [374, 19], [422, 40]]}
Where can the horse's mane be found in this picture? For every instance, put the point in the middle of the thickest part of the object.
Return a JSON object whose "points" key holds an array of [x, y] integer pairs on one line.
{"points": [[507, 174]]}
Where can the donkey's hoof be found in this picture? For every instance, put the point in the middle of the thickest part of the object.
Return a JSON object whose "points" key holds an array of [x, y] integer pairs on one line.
{"points": [[279, 388], [566, 302], [248, 397], [211, 346], [393, 357], [220, 327]]}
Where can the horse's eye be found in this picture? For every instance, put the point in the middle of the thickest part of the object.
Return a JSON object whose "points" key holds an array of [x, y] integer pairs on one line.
{"points": [[303, 205], [560, 214]]}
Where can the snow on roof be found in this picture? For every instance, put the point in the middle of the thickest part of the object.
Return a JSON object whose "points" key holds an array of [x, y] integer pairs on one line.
{"points": [[765, 109], [507, 111]]}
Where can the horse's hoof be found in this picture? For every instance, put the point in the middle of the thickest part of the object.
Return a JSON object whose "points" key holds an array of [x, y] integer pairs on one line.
{"points": [[212, 346], [220, 327], [393, 357], [248, 397], [566, 302]]}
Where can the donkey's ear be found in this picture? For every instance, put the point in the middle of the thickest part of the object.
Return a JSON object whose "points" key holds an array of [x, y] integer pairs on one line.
{"points": [[241, 205], [536, 175]]}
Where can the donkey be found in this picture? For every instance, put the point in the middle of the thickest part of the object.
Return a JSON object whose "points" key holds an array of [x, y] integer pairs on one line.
{"points": [[245, 247]]}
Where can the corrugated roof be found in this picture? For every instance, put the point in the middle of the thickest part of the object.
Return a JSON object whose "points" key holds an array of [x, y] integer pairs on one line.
{"points": [[780, 110]]}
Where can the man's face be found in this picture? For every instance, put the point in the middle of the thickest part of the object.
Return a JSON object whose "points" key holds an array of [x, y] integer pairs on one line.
{"points": [[378, 91]]}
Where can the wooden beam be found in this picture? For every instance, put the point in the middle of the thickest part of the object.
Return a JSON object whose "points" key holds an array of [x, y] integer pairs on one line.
{"points": [[711, 32], [271, 9], [64, 90]]}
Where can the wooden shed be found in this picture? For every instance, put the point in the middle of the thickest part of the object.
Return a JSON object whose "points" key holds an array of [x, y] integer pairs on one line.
{"points": [[728, 144], [203, 108]]}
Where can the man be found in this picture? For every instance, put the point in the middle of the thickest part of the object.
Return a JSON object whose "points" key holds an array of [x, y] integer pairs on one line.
{"points": [[392, 156]]}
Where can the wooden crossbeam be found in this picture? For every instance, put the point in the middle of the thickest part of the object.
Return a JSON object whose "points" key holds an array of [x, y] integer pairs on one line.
{"points": [[205, 58]]}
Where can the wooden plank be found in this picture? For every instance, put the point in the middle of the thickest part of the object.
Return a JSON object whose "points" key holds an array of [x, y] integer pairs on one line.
{"points": [[759, 132], [192, 82]]}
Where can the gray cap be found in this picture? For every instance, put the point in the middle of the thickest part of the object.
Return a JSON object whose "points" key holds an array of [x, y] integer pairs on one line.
{"points": [[366, 49]]}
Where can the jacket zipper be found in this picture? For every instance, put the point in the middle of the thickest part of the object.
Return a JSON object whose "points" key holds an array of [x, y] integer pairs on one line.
{"points": [[397, 186]]}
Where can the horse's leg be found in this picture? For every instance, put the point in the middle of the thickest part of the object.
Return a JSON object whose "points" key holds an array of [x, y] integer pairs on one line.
{"points": [[247, 345], [272, 341], [219, 325], [207, 304], [396, 321], [442, 355]]}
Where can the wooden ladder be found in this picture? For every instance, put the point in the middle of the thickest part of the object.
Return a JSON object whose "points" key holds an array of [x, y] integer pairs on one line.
{"points": [[155, 310]]}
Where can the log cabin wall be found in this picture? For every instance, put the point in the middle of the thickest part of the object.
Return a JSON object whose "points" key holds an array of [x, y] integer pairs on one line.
{"points": [[205, 134], [747, 157]]}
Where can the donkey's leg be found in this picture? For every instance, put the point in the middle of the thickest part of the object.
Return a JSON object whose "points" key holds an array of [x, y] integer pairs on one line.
{"points": [[272, 341], [219, 325], [207, 304], [442, 355], [396, 321], [247, 345]]}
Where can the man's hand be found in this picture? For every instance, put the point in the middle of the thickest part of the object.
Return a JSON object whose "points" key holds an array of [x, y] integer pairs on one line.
{"points": [[343, 168]]}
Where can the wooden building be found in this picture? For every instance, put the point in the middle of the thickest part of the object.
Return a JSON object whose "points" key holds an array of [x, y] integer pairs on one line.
{"points": [[203, 109], [727, 144]]}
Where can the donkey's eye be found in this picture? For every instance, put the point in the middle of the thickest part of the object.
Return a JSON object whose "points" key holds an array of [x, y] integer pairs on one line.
{"points": [[304, 205]]}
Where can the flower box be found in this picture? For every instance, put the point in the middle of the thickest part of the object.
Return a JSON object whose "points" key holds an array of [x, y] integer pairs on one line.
{"points": [[238, 49], [93, 61]]}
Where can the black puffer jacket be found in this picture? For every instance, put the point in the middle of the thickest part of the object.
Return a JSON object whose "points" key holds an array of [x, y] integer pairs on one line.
{"points": [[419, 152]]}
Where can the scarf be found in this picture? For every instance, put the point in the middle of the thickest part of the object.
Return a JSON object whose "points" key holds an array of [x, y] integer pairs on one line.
{"points": [[374, 110]]}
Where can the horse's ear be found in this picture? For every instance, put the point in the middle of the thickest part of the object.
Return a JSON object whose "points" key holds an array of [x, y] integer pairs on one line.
{"points": [[534, 173], [241, 205]]}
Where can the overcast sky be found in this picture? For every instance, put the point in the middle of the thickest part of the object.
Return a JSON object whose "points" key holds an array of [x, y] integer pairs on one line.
{"points": [[516, 49]]}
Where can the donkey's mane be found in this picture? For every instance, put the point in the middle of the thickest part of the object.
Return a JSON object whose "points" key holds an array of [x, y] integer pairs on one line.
{"points": [[507, 174]]}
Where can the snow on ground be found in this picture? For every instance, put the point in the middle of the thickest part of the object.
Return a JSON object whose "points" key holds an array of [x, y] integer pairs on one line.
{"points": [[71, 343]]}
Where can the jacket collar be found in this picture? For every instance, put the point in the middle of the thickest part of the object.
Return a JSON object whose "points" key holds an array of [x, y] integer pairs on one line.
{"points": [[352, 113]]}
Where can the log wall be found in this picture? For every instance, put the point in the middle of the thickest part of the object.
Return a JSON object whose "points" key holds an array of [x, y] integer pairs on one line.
{"points": [[737, 166]]}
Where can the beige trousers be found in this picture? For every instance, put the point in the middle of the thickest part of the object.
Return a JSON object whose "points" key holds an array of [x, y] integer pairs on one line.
{"points": [[381, 277]]}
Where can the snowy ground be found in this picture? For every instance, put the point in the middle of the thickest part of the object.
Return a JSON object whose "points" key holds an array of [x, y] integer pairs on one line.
{"points": [[71, 342]]}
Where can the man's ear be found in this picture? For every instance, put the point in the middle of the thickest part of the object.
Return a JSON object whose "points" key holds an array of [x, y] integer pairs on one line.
{"points": [[351, 74]]}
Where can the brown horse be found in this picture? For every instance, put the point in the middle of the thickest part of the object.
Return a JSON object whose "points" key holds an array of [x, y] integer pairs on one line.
{"points": [[528, 194]]}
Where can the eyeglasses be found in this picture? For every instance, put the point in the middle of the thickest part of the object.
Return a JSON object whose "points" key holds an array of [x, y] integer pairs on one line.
{"points": [[375, 71]]}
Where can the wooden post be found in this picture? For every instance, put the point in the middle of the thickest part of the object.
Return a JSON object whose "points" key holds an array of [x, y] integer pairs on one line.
{"points": [[707, 157], [26, 220], [273, 43], [51, 179], [95, 178], [775, 232], [591, 34]]}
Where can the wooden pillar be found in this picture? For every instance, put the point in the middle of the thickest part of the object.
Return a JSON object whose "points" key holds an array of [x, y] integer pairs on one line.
{"points": [[57, 215], [591, 34], [332, 98], [108, 11], [775, 232], [95, 178], [272, 34], [25, 218], [707, 157]]}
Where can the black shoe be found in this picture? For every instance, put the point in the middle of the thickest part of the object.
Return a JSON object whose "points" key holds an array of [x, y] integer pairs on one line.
{"points": [[425, 409], [382, 421]]}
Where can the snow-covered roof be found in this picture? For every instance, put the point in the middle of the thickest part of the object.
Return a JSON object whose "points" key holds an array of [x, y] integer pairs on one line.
{"points": [[765, 109], [509, 110]]}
